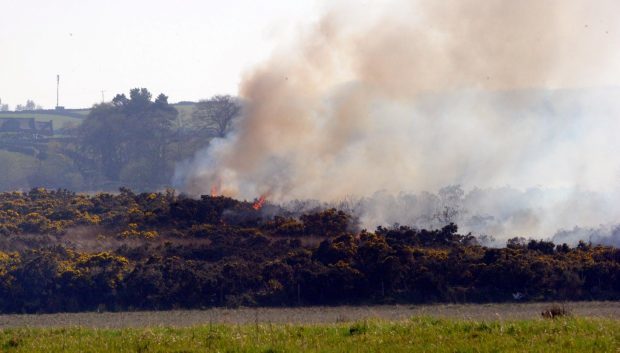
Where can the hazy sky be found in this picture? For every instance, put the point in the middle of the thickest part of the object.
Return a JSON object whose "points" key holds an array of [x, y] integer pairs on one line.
{"points": [[187, 49]]}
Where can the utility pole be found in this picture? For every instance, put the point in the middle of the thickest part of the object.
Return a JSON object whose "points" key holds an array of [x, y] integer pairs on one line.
{"points": [[102, 97], [57, 90]]}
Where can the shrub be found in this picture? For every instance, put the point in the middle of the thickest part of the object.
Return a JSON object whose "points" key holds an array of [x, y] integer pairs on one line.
{"points": [[555, 311]]}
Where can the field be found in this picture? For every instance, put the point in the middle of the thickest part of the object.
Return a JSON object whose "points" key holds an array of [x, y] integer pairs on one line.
{"points": [[592, 327], [59, 119], [76, 116], [185, 112]]}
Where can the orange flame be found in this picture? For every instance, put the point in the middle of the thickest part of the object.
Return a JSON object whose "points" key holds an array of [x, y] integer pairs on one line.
{"points": [[215, 188], [260, 202]]}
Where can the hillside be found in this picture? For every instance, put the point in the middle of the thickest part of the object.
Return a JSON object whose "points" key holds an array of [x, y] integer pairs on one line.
{"points": [[36, 152], [62, 118], [59, 118]]}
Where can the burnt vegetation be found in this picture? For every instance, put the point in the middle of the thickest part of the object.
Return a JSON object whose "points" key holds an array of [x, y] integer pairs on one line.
{"points": [[62, 251]]}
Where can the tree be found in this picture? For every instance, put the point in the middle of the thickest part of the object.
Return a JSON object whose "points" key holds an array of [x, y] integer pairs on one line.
{"points": [[30, 105], [128, 137], [451, 201], [215, 116]]}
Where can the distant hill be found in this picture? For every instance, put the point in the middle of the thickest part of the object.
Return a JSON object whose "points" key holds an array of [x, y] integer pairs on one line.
{"points": [[185, 110], [61, 118]]}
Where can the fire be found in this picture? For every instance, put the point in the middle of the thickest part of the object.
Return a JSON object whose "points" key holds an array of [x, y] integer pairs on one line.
{"points": [[260, 202], [215, 188]]}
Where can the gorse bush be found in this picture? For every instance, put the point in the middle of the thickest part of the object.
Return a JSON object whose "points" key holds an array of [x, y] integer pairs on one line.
{"points": [[61, 251]]}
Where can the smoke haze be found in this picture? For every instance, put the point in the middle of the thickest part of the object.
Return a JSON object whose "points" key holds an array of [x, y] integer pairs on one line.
{"points": [[516, 101]]}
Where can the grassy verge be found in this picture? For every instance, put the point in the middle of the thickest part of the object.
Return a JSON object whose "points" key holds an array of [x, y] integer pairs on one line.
{"points": [[416, 335]]}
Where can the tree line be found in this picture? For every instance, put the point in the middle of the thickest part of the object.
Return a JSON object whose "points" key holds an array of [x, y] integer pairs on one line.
{"points": [[30, 105], [62, 251]]}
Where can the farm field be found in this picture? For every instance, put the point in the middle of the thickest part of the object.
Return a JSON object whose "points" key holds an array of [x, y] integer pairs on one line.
{"points": [[59, 119], [413, 335], [185, 112]]}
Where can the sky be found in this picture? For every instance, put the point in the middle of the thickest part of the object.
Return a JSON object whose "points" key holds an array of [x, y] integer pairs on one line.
{"points": [[186, 49]]}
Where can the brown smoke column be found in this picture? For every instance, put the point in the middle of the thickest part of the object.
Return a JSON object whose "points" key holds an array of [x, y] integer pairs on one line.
{"points": [[359, 103]]}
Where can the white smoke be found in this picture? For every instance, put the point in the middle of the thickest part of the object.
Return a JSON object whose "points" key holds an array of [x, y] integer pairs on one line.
{"points": [[513, 100]]}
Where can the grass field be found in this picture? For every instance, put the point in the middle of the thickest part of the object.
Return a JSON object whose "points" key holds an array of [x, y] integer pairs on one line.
{"points": [[413, 335], [519, 327], [58, 119], [185, 112]]}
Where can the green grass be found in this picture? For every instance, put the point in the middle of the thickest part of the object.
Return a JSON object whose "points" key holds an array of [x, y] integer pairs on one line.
{"points": [[185, 112], [58, 119], [416, 335], [82, 112], [185, 115]]}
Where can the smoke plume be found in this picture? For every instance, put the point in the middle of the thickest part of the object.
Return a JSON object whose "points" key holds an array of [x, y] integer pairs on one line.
{"points": [[501, 97]]}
